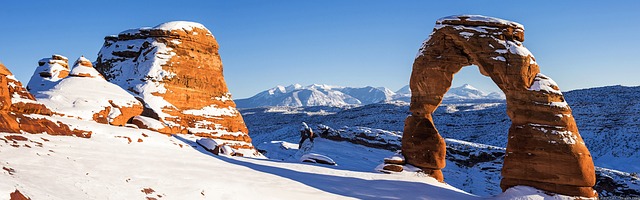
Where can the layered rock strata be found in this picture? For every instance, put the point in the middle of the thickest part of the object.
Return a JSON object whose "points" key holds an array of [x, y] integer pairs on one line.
{"points": [[20, 112], [544, 149], [175, 69], [86, 95]]}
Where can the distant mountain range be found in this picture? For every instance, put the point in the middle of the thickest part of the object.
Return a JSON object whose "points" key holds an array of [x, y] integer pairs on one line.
{"points": [[297, 95]]}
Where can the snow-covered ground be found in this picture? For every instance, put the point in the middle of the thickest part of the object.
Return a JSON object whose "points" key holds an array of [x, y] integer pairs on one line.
{"points": [[130, 163], [110, 166]]}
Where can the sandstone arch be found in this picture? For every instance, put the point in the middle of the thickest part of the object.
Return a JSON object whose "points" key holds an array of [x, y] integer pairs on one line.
{"points": [[544, 149]]}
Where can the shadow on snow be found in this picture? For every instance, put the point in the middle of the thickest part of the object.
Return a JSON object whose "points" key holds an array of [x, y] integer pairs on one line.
{"points": [[347, 186]]}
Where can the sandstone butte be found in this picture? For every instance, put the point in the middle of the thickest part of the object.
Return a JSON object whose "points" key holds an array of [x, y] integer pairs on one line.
{"points": [[175, 70], [83, 93], [20, 112], [544, 148]]}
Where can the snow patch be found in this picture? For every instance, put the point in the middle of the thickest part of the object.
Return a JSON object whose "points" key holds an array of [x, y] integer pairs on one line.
{"points": [[150, 122], [212, 111], [480, 18]]}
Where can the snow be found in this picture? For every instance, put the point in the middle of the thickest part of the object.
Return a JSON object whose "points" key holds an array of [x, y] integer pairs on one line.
{"points": [[50, 67], [170, 26], [78, 69], [180, 25], [396, 157], [61, 56], [479, 18], [529, 193], [213, 111], [317, 158], [207, 143], [145, 77], [467, 31], [562, 104], [150, 122], [518, 48], [338, 96], [500, 58], [82, 97], [605, 117], [466, 34], [543, 83]]}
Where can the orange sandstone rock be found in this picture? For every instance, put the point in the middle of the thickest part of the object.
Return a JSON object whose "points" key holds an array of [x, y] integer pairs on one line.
{"points": [[17, 195], [544, 149], [175, 69]]}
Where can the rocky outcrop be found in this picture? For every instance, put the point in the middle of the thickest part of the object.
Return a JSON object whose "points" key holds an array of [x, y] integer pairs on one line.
{"points": [[17, 195], [19, 112], [48, 72], [175, 69], [544, 148], [86, 95], [376, 138]]}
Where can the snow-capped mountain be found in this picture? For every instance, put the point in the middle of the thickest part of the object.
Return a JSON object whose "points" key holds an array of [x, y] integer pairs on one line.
{"points": [[465, 92], [297, 95]]}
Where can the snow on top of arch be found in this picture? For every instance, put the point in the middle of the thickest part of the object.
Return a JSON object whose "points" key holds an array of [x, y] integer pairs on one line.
{"points": [[169, 26], [479, 18], [180, 25]]}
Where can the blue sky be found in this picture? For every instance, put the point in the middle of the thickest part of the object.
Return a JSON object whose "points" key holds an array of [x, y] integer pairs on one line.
{"points": [[579, 44]]}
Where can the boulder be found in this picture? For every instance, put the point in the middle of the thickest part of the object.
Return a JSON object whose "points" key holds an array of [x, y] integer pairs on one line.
{"points": [[175, 69], [544, 149], [17, 195], [20, 112], [48, 72], [86, 95]]}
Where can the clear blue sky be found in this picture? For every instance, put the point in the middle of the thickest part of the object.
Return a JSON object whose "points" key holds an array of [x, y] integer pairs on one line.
{"points": [[579, 44]]}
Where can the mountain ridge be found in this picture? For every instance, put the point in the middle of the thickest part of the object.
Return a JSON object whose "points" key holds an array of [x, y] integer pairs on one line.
{"points": [[296, 95]]}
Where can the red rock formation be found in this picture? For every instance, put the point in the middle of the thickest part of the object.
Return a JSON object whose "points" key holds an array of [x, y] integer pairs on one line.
{"points": [[85, 94], [175, 69], [17, 195], [544, 149], [20, 112]]}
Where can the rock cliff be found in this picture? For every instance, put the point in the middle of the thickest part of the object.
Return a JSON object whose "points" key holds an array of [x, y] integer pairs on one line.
{"points": [[175, 69], [544, 148], [20, 112], [86, 95]]}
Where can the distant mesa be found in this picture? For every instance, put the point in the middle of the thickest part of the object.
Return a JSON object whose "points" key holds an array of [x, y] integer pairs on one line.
{"points": [[20, 112], [85, 94], [175, 70], [544, 149], [297, 95]]}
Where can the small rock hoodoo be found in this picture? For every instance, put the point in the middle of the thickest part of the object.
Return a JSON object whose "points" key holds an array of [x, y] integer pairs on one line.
{"points": [[48, 72], [85, 94], [544, 149]]}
